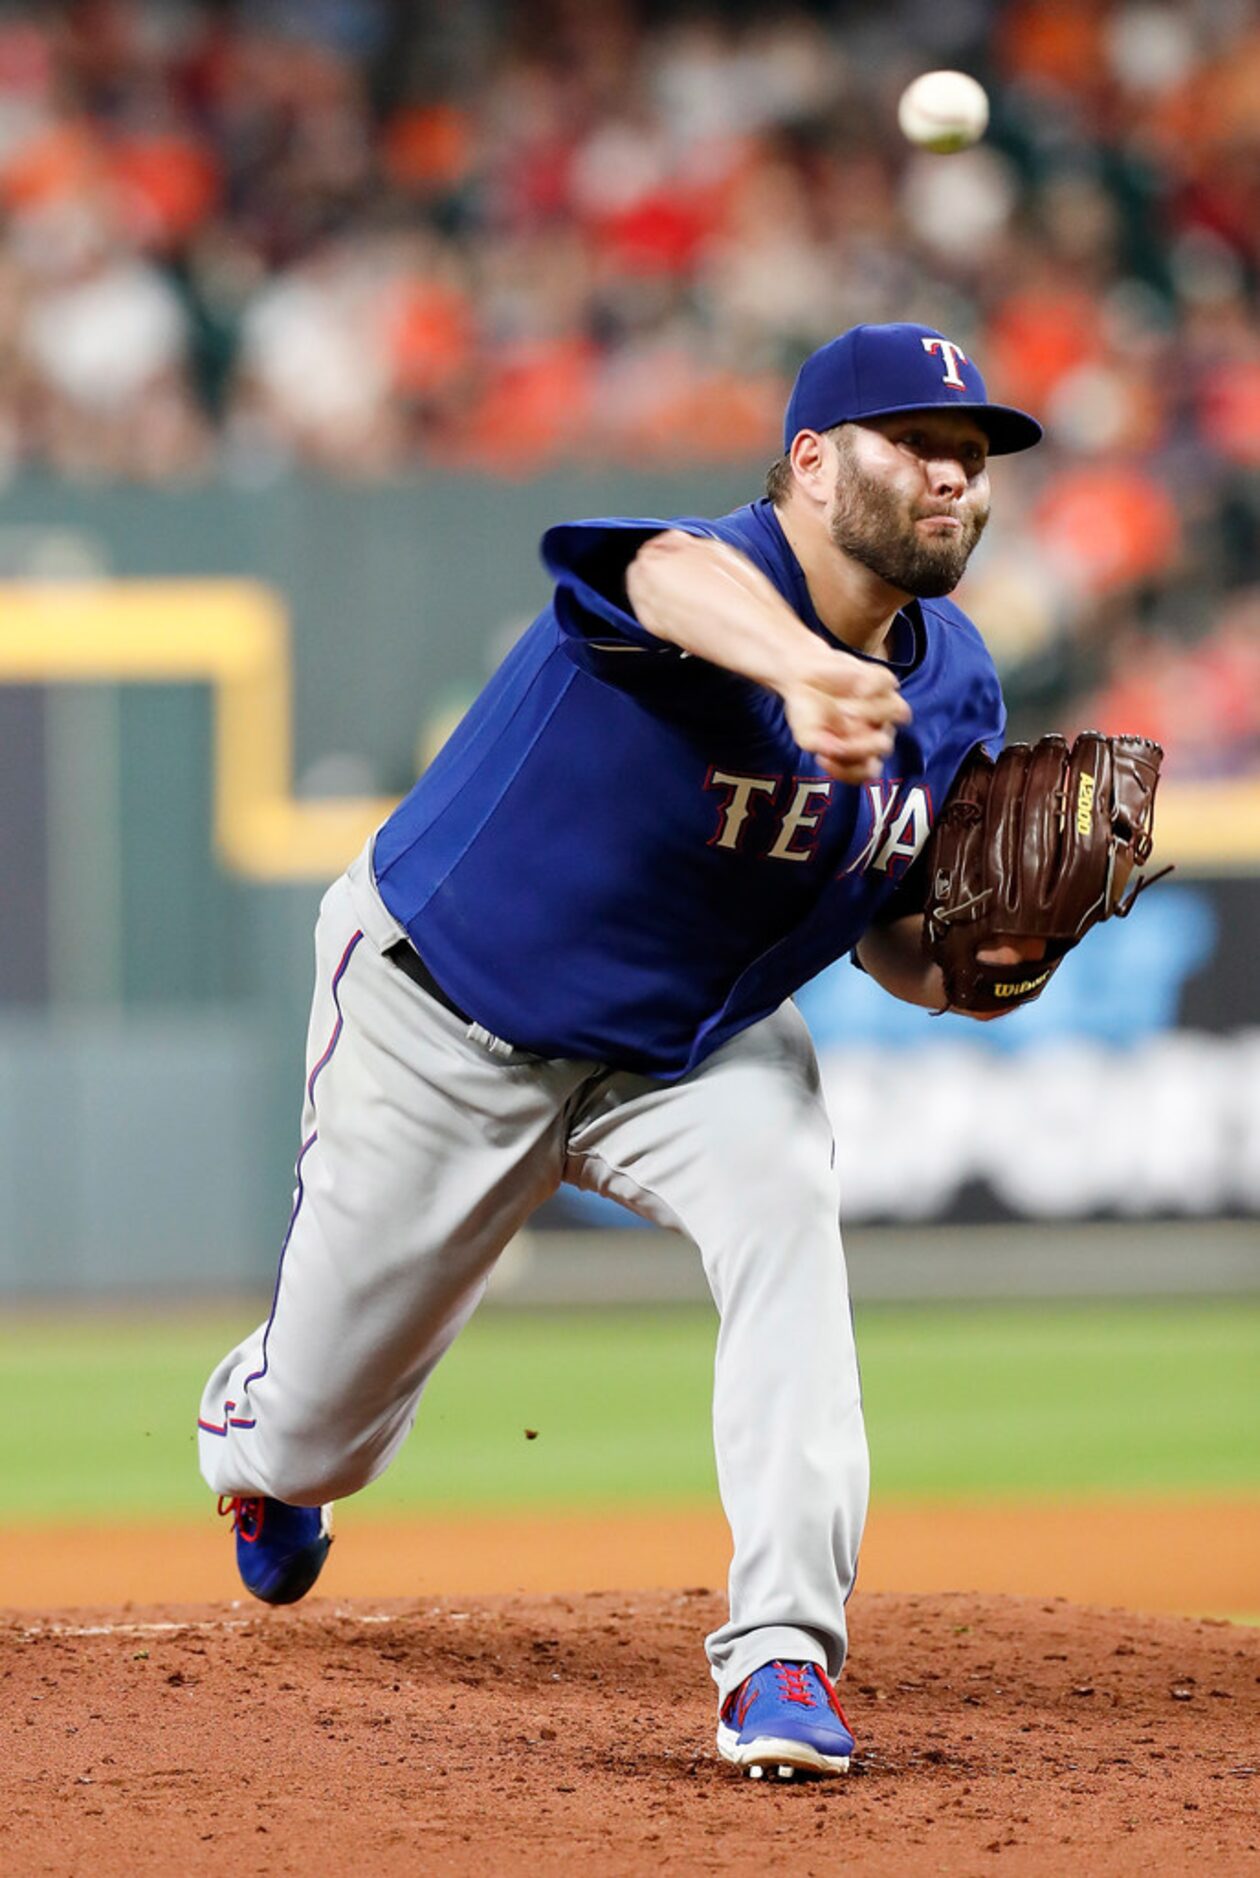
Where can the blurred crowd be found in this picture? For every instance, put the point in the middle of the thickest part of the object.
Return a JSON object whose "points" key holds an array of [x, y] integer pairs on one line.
{"points": [[362, 236]]}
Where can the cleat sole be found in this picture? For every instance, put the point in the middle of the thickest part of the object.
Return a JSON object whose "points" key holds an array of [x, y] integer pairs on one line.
{"points": [[787, 1758]]}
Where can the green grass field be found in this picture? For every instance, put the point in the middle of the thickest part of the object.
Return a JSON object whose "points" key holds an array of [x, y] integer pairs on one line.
{"points": [[96, 1417]]}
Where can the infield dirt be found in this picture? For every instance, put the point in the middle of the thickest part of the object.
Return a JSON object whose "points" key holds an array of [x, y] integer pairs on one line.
{"points": [[564, 1733]]}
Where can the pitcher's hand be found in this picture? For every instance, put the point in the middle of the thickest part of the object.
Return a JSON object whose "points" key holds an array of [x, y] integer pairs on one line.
{"points": [[845, 711]]}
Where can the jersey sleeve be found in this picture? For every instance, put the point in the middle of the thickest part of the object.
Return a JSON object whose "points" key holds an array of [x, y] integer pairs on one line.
{"points": [[979, 707], [588, 562], [978, 721]]}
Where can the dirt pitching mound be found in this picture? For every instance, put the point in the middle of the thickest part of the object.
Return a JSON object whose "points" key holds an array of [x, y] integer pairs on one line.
{"points": [[566, 1733]]}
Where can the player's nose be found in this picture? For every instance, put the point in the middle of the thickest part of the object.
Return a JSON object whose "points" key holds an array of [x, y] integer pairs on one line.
{"points": [[946, 475]]}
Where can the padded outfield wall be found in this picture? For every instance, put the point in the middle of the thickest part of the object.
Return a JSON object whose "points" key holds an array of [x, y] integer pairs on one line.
{"points": [[207, 696]]}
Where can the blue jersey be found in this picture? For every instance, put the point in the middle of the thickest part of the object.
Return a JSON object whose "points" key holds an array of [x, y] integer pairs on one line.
{"points": [[622, 852]]}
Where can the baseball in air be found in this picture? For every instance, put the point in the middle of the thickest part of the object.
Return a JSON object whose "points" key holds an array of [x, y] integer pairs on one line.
{"points": [[943, 111]]}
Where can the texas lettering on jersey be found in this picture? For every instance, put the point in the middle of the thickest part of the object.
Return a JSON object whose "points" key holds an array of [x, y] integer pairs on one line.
{"points": [[901, 820], [756, 814], [795, 828]]}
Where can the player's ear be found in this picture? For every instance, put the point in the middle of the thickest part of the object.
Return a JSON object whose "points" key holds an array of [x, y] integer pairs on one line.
{"points": [[811, 463]]}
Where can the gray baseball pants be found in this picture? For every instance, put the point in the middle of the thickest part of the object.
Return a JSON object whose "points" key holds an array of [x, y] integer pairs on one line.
{"points": [[428, 1143]]}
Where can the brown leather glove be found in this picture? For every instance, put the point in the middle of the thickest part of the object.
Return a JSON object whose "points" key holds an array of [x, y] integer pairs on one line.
{"points": [[1041, 844]]}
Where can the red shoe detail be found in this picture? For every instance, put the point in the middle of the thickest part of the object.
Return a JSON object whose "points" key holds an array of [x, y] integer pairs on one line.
{"points": [[832, 1697], [792, 1684], [247, 1515]]}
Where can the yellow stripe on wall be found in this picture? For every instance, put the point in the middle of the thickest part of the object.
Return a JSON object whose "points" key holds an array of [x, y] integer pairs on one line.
{"points": [[234, 636], [1210, 826], [231, 635]]}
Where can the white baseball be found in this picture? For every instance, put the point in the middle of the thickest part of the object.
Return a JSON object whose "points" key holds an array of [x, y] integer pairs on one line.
{"points": [[943, 111]]}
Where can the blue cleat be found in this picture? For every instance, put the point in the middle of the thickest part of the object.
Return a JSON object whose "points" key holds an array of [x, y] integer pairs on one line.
{"points": [[785, 1716], [280, 1549]]}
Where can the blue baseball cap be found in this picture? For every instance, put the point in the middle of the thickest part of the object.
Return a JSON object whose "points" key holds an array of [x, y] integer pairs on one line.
{"points": [[875, 371]]}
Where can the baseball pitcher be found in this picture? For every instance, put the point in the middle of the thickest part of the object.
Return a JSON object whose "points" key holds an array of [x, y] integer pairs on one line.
{"points": [[709, 768]]}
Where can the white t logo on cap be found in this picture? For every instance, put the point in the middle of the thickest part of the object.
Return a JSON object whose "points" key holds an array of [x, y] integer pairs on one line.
{"points": [[951, 355]]}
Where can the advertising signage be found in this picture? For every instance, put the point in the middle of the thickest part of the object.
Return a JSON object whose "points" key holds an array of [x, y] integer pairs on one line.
{"points": [[1131, 1088]]}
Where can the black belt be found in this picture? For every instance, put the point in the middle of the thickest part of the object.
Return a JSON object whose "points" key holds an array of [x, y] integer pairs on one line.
{"points": [[409, 962]]}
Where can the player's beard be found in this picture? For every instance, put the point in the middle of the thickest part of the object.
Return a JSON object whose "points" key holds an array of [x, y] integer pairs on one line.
{"points": [[877, 527]]}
